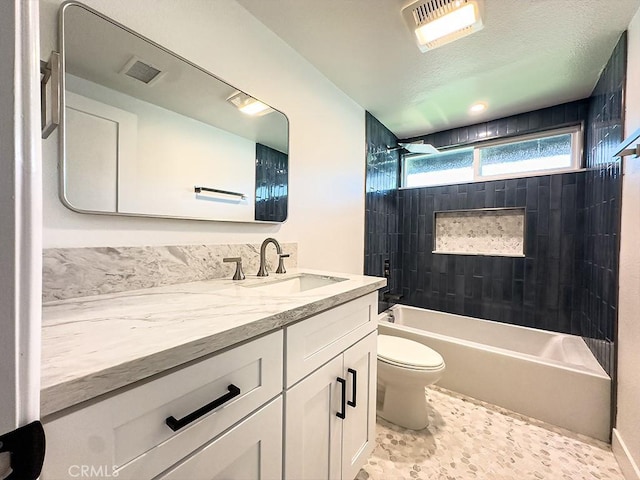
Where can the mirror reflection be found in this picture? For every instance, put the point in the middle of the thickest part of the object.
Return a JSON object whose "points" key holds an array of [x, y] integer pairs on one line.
{"points": [[148, 133]]}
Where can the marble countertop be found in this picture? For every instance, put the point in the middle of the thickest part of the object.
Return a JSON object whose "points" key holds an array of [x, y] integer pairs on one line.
{"points": [[94, 345]]}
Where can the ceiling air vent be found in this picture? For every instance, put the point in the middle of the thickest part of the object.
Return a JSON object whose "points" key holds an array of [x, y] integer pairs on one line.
{"points": [[438, 22], [142, 71]]}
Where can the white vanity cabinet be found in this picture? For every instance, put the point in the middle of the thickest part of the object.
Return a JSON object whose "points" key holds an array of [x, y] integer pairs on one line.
{"points": [[330, 413], [263, 409], [126, 435]]}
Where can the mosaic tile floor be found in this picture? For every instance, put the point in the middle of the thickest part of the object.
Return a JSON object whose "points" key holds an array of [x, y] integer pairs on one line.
{"points": [[469, 439]]}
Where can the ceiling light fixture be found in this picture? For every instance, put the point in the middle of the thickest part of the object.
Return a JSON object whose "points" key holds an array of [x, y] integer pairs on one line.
{"points": [[438, 22], [478, 107], [247, 104]]}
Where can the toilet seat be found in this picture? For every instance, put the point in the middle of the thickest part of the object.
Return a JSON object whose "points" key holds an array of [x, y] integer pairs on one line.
{"points": [[405, 353]]}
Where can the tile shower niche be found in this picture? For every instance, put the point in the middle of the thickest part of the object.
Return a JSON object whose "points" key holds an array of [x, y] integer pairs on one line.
{"points": [[497, 232]]}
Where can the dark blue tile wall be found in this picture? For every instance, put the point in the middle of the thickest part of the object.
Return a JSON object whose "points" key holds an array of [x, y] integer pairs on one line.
{"points": [[599, 279], [536, 291], [382, 234], [558, 116], [272, 174]]}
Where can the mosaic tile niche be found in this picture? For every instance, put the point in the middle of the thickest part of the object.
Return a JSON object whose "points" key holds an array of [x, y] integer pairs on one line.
{"points": [[480, 232]]}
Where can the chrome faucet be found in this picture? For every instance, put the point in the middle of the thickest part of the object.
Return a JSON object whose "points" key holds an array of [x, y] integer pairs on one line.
{"points": [[262, 271]]}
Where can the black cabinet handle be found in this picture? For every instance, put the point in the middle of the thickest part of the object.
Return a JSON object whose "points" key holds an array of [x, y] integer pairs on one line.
{"points": [[343, 402], [354, 388], [176, 425]]}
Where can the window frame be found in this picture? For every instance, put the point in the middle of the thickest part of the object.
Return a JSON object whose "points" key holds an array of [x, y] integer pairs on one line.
{"points": [[577, 142]]}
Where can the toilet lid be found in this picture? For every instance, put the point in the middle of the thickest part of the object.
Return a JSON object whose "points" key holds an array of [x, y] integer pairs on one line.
{"points": [[405, 352]]}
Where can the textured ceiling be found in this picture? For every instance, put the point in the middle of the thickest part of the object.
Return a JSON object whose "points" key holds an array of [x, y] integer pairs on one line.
{"points": [[531, 54]]}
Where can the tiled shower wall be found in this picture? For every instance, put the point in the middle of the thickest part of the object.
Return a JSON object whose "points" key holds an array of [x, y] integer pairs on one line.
{"points": [[382, 234], [272, 184], [603, 192], [399, 228], [535, 291]]}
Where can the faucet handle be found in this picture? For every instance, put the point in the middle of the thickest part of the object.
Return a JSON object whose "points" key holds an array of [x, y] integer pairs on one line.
{"points": [[281, 257], [239, 275]]}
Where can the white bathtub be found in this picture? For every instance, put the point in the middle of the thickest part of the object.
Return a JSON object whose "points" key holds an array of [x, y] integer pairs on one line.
{"points": [[545, 375]]}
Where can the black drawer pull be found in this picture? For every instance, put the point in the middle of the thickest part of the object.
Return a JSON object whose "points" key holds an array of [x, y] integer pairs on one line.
{"points": [[176, 425], [343, 401], [354, 388]]}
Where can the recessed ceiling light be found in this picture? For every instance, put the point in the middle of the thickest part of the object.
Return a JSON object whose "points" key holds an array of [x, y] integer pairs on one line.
{"points": [[249, 105], [478, 107]]}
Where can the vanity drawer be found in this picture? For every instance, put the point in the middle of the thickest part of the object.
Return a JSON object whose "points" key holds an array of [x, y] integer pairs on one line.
{"points": [[316, 340], [127, 435], [250, 450]]}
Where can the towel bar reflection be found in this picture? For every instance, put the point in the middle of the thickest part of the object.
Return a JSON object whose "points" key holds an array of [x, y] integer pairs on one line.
{"points": [[216, 190]]}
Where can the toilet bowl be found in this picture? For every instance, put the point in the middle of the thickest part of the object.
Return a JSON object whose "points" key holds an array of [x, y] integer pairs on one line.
{"points": [[405, 368]]}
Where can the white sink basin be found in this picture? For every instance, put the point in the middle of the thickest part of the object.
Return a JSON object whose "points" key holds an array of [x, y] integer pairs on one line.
{"points": [[296, 284]]}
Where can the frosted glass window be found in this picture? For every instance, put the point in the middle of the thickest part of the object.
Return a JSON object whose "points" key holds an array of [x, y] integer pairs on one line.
{"points": [[559, 150], [548, 153], [455, 166]]}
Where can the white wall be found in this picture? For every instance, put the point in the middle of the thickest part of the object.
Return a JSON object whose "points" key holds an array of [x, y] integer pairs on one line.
{"points": [[326, 194], [626, 439]]}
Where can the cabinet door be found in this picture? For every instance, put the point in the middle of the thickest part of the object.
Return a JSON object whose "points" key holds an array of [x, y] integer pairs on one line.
{"points": [[250, 450], [318, 339], [313, 431], [359, 427]]}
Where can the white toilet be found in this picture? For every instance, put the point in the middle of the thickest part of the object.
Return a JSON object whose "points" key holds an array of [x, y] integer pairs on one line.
{"points": [[405, 368]]}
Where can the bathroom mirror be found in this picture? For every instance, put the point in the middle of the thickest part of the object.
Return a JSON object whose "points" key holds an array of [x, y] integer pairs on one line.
{"points": [[145, 132]]}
